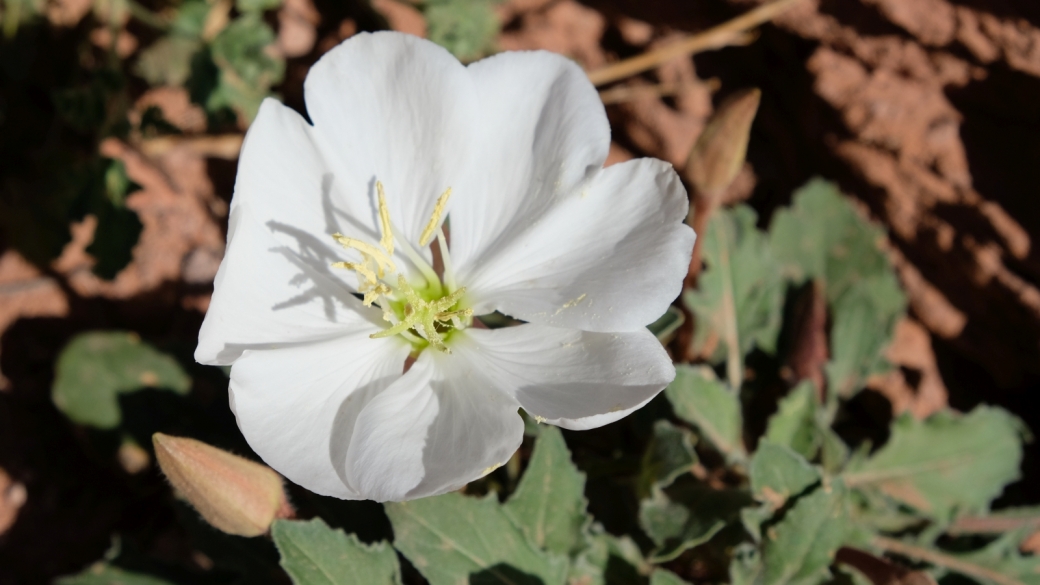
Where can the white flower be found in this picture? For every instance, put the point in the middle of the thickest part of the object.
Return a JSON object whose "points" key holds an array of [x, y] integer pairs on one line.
{"points": [[402, 136]]}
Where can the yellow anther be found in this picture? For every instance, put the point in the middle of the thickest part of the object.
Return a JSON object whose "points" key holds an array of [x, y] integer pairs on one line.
{"points": [[387, 241], [368, 251], [361, 269], [435, 219]]}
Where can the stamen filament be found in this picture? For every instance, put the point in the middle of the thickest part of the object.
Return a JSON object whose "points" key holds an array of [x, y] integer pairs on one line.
{"points": [[449, 269]]}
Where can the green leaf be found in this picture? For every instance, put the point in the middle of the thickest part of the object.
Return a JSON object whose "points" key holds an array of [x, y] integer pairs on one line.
{"points": [[247, 70], [607, 559], [698, 398], [190, 19], [794, 424], [833, 451], [687, 515], [167, 61], [1001, 562], [666, 325], [777, 473], [665, 577], [257, 5], [669, 454], [94, 368], [740, 292], [745, 568], [802, 545], [948, 464], [549, 503], [314, 554], [452, 539], [864, 322], [105, 574], [823, 236], [467, 28]]}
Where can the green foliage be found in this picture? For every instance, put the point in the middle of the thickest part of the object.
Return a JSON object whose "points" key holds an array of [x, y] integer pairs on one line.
{"points": [[1001, 562], [452, 538], [467, 28], [247, 71], [687, 515], [740, 294], [168, 60], [95, 368], [945, 465], [105, 574], [549, 503], [794, 424], [800, 547], [823, 237], [778, 473], [699, 398], [666, 325], [669, 455], [314, 554]]}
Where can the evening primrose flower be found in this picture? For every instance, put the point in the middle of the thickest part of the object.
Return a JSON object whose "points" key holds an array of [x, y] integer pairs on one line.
{"points": [[423, 193]]}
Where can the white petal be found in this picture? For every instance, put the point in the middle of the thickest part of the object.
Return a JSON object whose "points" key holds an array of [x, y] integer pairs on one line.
{"points": [[272, 292], [574, 379], [297, 406], [398, 109], [542, 132], [609, 257], [439, 427]]}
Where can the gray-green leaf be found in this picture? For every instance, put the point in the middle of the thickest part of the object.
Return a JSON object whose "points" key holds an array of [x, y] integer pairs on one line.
{"points": [[94, 368], [669, 454], [697, 397], [864, 322], [802, 545], [946, 464], [314, 554], [688, 515], [549, 503], [740, 292], [794, 424], [453, 538], [777, 473]]}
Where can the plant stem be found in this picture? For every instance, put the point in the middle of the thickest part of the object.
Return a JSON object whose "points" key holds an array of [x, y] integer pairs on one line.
{"points": [[713, 38], [934, 557]]}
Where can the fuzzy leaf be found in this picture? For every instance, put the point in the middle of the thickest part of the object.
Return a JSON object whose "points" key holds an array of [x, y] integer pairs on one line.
{"points": [[794, 424], [453, 538], [823, 236], [668, 455], [688, 515], [314, 554], [947, 464], [549, 503], [697, 397], [864, 322], [247, 71], [1001, 562], [777, 473], [666, 325], [741, 289], [94, 368], [802, 545], [467, 28], [665, 577]]}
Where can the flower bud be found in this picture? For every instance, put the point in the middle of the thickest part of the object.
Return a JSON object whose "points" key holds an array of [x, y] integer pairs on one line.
{"points": [[720, 150], [233, 494]]}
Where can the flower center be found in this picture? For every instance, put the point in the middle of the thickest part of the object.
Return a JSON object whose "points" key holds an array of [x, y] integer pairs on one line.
{"points": [[425, 315]]}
